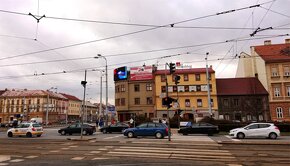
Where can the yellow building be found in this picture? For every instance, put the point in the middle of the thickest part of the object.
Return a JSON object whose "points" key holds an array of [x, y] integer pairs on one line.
{"points": [[74, 107], [191, 93]]}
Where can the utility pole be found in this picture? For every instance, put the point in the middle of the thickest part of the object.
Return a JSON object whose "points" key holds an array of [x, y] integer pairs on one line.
{"points": [[167, 109], [208, 88], [83, 105], [101, 100]]}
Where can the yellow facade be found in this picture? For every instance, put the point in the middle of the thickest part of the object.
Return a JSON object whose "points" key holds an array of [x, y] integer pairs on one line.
{"points": [[189, 91]]}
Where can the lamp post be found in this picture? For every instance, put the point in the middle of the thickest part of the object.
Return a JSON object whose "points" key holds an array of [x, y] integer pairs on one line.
{"points": [[47, 105], [100, 56], [208, 88]]}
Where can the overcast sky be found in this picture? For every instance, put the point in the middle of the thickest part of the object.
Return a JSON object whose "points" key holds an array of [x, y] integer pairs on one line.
{"points": [[86, 28]]}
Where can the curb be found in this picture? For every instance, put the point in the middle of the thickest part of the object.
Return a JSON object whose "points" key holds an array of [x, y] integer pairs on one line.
{"points": [[78, 139], [252, 143]]}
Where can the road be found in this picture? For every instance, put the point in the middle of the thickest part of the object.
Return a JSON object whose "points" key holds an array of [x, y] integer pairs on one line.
{"points": [[115, 149]]}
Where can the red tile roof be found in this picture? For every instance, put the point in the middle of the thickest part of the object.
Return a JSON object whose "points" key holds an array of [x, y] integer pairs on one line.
{"points": [[240, 86], [70, 97], [30, 93], [186, 71], [274, 53]]}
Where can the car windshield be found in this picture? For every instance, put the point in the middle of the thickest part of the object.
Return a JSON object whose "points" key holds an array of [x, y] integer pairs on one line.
{"points": [[144, 125], [36, 125]]}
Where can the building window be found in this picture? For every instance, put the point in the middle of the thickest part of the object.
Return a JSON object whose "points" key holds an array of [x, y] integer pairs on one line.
{"points": [[186, 88], [274, 71], [199, 102], [117, 88], [136, 87], [117, 102], [163, 89], [137, 101], [187, 102], [197, 77], [227, 117], [163, 78], [198, 88], [123, 89], [288, 90], [261, 117], [211, 102], [164, 115], [236, 102], [226, 102], [149, 87], [249, 117], [149, 100], [174, 88], [279, 112], [286, 71], [185, 77], [123, 101], [277, 91]]}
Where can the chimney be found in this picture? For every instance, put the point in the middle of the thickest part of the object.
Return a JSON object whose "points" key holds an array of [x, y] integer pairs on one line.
{"points": [[267, 42], [287, 41]]}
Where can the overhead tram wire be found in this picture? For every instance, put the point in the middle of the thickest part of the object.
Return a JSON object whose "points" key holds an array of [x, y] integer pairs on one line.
{"points": [[131, 33], [141, 52], [276, 12]]}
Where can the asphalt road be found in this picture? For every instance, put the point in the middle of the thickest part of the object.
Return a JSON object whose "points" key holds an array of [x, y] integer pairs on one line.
{"points": [[40, 152]]}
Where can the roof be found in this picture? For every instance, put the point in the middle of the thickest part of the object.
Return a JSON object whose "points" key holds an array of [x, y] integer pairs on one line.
{"points": [[274, 52], [186, 71], [2, 91], [70, 97], [30, 93], [240, 86]]}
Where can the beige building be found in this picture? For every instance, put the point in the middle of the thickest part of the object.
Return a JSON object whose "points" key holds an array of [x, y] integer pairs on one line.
{"points": [[270, 63], [26, 104], [74, 107]]}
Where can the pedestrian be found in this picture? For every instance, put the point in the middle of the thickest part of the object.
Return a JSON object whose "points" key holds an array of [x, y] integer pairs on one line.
{"points": [[101, 123], [160, 121], [97, 122]]}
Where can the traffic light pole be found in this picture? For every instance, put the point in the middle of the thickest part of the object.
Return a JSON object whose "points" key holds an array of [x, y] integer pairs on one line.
{"points": [[168, 119]]}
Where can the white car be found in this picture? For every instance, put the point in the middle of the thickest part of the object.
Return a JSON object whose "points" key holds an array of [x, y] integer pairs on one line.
{"points": [[26, 129], [268, 130]]}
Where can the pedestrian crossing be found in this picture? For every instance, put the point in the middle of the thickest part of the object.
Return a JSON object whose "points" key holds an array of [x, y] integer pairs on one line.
{"points": [[7, 159]]}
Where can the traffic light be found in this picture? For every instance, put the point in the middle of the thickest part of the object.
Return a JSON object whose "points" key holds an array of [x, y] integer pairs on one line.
{"points": [[172, 68], [176, 79], [168, 101]]}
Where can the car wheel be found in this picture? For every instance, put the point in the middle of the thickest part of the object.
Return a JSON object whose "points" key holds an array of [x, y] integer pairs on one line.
{"points": [[273, 136], [159, 135], [91, 133], [28, 135], [10, 134], [63, 132], [85, 132], [130, 134], [39, 135], [240, 135], [104, 131]]}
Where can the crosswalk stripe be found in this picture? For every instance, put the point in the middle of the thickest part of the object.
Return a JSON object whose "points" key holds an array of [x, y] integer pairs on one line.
{"points": [[175, 149], [113, 137], [175, 143], [237, 140]]}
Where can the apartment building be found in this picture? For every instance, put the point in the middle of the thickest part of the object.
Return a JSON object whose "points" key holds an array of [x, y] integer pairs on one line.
{"points": [[134, 93], [191, 93], [26, 104], [270, 63], [74, 107]]}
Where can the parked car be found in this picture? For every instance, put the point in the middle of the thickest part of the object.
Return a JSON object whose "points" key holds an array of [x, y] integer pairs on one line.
{"points": [[26, 129], [159, 130], [117, 127], [268, 130], [199, 128], [76, 128]]}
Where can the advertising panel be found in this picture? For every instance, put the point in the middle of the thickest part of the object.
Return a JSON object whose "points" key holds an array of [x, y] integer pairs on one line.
{"points": [[141, 73], [120, 73]]}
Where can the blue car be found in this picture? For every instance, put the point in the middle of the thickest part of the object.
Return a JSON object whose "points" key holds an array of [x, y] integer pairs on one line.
{"points": [[159, 130]]}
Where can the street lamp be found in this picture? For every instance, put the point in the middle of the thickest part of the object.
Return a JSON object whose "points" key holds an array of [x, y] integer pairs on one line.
{"points": [[47, 104], [100, 56]]}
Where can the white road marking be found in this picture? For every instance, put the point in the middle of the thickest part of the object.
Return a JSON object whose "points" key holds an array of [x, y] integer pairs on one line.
{"points": [[175, 143], [77, 158], [113, 137], [237, 140], [96, 152], [4, 158], [175, 149], [102, 149], [73, 146], [16, 160], [54, 151], [64, 148], [31, 157], [2, 164], [100, 158]]}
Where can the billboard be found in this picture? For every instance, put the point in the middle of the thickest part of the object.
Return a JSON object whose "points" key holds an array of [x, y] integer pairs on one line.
{"points": [[141, 73], [120, 73]]}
